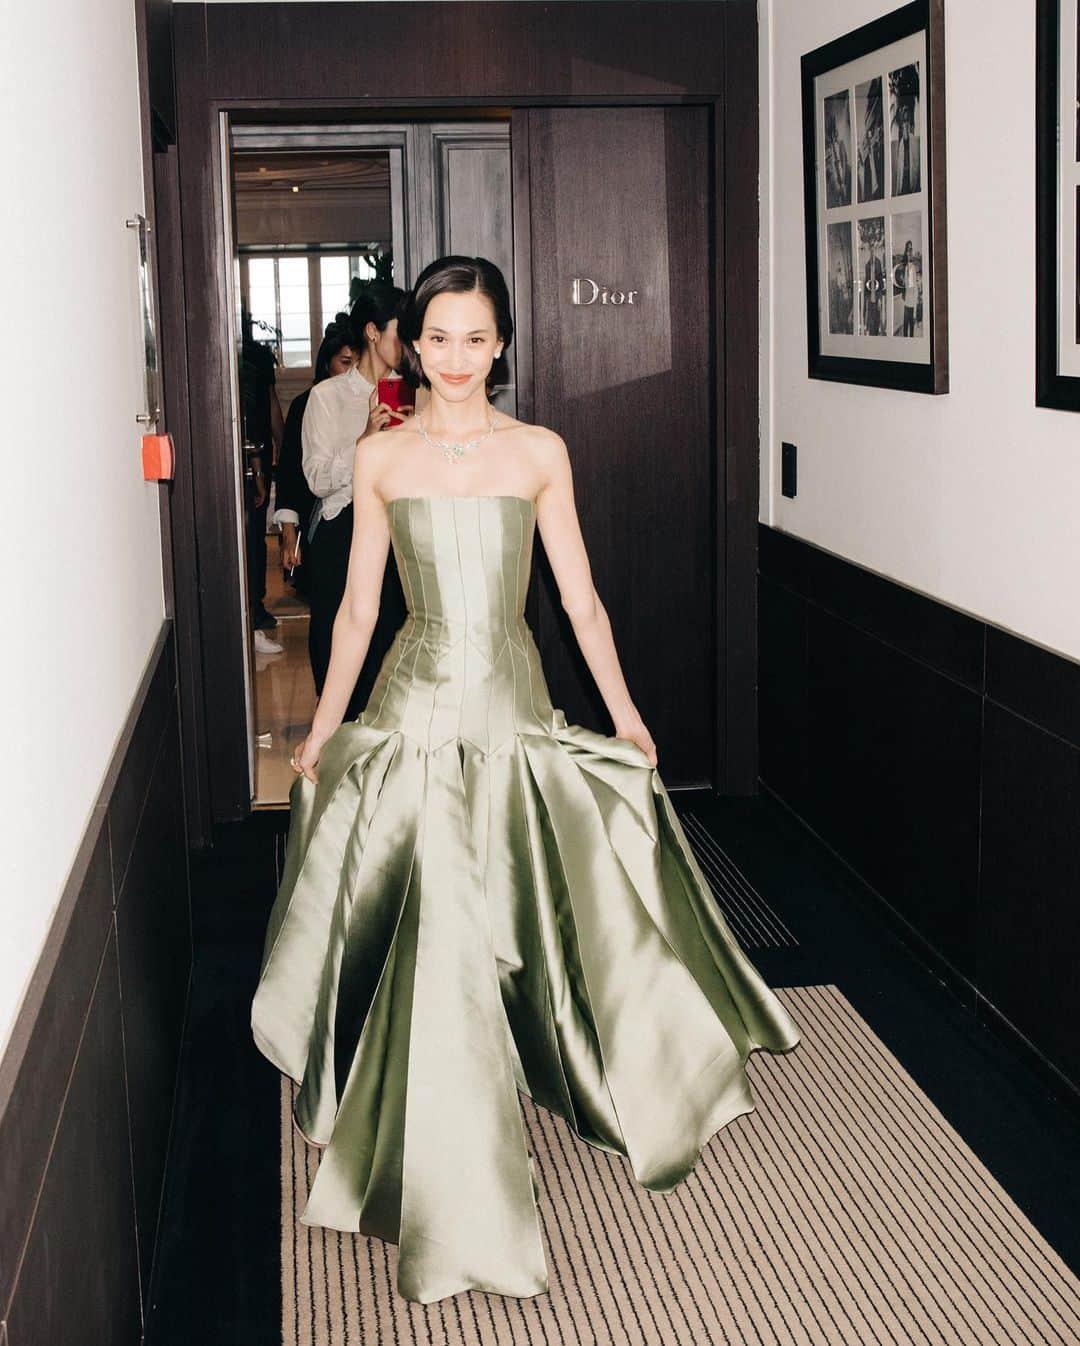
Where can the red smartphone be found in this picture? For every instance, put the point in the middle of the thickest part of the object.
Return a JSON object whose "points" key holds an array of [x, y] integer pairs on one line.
{"points": [[396, 393]]}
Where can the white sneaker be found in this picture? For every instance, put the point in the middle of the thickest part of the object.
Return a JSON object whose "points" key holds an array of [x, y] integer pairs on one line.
{"points": [[264, 645]]}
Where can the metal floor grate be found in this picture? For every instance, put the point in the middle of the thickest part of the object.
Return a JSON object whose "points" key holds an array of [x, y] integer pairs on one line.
{"points": [[755, 924]]}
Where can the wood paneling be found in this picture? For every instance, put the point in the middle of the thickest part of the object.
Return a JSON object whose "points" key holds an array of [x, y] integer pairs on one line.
{"points": [[184, 559], [129, 796], [436, 52], [893, 779], [523, 295], [1029, 929], [87, 1079], [947, 640], [783, 693], [153, 932], [736, 379], [616, 197], [473, 201], [205, 334], [1035, 683], [38, 1065], [939, 757], [154, 18], [79, 1276]]}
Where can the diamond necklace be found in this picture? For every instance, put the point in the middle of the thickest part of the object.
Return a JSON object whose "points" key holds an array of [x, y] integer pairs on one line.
{"points": [[453, 450]]}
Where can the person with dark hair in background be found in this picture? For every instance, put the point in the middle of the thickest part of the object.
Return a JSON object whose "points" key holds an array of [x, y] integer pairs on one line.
{"points": [[263, 429], [479, 899], [294, 499], [340, 411]]}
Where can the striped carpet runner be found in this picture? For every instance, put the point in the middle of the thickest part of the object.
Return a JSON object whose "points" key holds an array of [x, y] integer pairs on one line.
{"points": [[844, 1211]]}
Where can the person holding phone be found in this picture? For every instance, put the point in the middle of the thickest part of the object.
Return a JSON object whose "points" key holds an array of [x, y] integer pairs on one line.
{"points": [[294, 500], [396, 394], [340, 412]]}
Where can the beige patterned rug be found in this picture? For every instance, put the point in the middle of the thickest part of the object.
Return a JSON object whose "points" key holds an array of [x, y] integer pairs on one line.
{"points": [[844, 1210]]}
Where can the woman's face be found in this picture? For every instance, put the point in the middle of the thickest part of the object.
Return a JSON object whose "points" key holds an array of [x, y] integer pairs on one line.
{"points": [[458, 343], [386, 343], [343, 361]]}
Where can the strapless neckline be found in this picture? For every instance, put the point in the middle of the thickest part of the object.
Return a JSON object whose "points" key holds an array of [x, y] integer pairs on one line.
{"points": [[411, 499]]}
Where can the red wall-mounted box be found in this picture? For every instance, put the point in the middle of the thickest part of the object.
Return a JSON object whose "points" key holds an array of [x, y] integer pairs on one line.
{"points": [[157, 457]]}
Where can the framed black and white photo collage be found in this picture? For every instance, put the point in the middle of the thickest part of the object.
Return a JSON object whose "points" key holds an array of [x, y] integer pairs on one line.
{"points": [[873, 153]]}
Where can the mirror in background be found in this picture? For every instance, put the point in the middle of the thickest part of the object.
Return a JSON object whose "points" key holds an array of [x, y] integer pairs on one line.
{"points": [[309, 227]]}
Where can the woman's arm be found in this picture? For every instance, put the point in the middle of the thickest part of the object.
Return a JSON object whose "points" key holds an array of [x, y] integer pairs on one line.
{"points": [[557, 520], [293, 494], [355, 620]]}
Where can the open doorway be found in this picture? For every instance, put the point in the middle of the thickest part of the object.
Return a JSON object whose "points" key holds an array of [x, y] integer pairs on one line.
{"points": [[316, 213], [672, 533]]}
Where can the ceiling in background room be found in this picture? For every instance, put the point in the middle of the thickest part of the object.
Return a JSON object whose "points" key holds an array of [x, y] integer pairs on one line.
{"points": [[311, 199]]}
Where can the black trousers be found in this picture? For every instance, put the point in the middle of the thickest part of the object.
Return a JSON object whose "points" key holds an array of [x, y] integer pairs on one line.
{"points": [[328, 562], [255, 525]]}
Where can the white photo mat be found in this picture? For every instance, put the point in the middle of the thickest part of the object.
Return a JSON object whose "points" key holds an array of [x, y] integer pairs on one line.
{"points": [[905, 215]]}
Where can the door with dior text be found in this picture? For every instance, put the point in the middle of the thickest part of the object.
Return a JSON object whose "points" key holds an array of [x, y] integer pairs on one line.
{"points": [[613, 281]]}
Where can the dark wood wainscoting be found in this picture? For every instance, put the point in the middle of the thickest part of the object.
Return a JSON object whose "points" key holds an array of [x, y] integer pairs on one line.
{"points": [[695, 66], [939, 756], [87, 1080]]}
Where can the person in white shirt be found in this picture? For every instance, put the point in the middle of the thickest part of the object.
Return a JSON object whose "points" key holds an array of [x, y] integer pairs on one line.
{"points": [[340, 411], [294, 499]]}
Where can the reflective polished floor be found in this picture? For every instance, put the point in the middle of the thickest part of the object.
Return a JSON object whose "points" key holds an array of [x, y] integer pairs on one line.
{"points": [[284, 690]]}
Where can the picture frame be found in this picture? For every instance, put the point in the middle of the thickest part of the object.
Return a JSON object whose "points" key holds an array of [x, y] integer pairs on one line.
{"points": [[1057, 205], [874, 198]]}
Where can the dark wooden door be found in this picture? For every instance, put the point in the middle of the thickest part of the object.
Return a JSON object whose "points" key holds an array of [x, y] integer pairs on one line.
{"points": [[618, 214]]}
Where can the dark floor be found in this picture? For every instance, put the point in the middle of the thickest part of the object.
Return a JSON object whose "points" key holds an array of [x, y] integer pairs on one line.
{"points": [[217, 1279]]}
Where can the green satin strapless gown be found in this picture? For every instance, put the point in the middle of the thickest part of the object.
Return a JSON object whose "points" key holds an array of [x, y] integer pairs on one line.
{"points": [[479, 898]]}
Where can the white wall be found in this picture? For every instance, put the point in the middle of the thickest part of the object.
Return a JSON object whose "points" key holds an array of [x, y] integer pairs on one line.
{"points": [[81, 555], [972, 497]]}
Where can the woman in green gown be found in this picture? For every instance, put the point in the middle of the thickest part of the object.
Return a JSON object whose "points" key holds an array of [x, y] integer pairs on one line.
{"points": [[479, 898]]}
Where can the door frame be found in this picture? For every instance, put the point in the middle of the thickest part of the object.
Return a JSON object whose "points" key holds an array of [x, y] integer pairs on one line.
{"points": [[220, 53], [418, 231]]}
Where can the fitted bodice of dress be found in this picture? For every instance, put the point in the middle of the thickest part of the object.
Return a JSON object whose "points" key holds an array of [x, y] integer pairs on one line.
{"points": [[464, 664]]}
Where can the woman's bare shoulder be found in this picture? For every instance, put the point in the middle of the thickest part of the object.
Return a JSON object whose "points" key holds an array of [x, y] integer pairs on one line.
{"points": [[385, 458], [547, 452], [369, 455], [540, 451], [403, 427], [374, 454], [540, 442], [396, 440]]}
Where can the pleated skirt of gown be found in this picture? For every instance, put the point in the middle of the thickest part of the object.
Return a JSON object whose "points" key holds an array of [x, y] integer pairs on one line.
{"points": [[479, 898]]}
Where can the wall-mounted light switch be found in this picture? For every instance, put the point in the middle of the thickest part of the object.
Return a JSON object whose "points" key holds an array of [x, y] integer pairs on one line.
{"points": [[789, 465]]}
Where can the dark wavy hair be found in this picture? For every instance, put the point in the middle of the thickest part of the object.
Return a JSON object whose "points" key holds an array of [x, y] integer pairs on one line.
{"points": [[376, 302], [455, 275], [338, 334]]}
